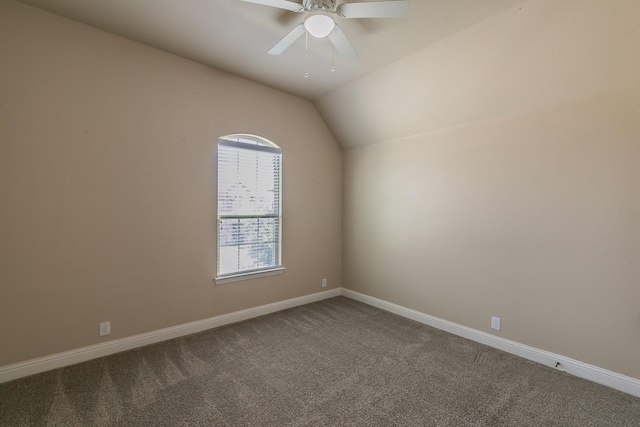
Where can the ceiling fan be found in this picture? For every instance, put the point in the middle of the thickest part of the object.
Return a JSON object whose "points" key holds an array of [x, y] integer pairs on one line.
{"points": [[320, 22]]}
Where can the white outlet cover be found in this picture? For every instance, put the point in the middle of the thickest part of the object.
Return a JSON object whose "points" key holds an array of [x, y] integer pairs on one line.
{"points": [[495, 323], [105, 328]]}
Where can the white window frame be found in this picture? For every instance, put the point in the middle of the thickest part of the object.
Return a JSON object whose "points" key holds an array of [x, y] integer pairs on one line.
{"points": [[257, 144]]}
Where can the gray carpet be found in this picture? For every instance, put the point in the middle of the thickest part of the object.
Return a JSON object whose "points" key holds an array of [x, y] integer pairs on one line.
{"points": [[332, 363]]}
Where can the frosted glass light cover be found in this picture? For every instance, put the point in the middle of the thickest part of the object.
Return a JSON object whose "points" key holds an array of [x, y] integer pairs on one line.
{"points": [[319, 24]]}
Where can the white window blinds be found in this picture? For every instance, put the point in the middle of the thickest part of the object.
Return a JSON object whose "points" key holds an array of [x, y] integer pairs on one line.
{"points": [[249, 206]]}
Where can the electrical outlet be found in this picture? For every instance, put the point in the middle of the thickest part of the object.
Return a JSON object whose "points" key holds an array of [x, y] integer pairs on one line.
{"points": [[495, 323], [105, 328], [324, 283]]}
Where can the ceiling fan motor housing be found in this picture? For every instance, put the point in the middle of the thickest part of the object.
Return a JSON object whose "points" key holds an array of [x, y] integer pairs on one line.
{"points": [[317, 5]]}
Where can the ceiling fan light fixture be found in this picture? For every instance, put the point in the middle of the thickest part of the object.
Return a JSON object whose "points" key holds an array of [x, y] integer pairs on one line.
{"points": [[319, 24]]}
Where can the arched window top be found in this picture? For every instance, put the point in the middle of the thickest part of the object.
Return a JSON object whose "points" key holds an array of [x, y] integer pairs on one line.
{"points": [[250, 140]]}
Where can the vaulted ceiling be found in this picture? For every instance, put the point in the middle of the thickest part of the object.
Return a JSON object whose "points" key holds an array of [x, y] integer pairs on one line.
{"points": [[447, 64], [235, 36]]}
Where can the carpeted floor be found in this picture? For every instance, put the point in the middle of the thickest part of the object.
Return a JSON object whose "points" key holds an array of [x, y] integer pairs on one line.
{"points": [[333, 363]]}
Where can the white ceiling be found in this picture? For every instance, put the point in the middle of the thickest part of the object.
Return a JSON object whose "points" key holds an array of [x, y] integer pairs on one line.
{"points": [[235, 36]]}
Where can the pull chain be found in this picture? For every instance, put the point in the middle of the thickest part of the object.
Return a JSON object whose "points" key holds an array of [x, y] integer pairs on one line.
{"points": [[306, 55], [333, 56]]}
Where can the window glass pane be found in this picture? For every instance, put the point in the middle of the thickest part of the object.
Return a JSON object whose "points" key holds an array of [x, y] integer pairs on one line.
{"points": [[254, 242], [249, 231], [248, 182]]}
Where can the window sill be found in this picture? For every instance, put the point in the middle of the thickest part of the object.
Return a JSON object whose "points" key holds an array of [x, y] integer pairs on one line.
{"points": [[248, 276]]}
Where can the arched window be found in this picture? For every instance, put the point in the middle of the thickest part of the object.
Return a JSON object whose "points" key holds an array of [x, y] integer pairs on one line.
{"points": [[249, 207]]}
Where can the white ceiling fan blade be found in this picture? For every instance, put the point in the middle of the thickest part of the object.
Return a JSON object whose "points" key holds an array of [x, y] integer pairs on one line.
{"points": [[374, 9], [287, 40], [342, 44], [281, 4]]}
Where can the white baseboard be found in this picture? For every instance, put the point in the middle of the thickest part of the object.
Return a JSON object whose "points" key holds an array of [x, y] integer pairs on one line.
{"points": [[579, 369], [42, 364]]}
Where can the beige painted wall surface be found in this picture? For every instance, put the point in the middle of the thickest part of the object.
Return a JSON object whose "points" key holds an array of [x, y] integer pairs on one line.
{"points": [[506, 179], [107, 186], [533, 218]]}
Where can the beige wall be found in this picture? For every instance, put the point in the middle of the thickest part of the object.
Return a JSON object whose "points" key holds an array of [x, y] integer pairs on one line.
{"points": [[533, 218], [514, 188], [107, 187]]}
